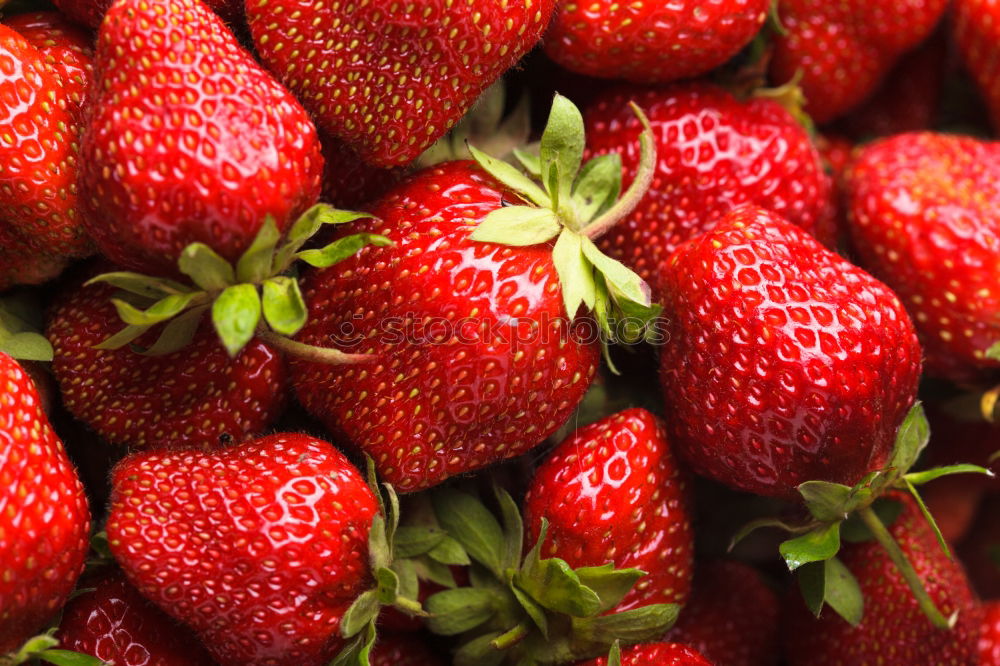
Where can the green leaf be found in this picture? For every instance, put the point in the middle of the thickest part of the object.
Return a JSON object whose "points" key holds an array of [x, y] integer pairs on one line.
{"points": [[922, 477], [534, 611], [646, 623], [449, 551], [911, 438], [610, 584], [843, 592], [513, 529], [141, 285], [255, 263], [31, 647], [826, 501], [818, 544], [235, 314], [388, 585], [204, 265], [306, 227], [812, 585], [480, 652], [283, 306], [615, 655], [511, 177], [364, 609], [122, 337], [518, 226], [469, 522], [379, 549], [553, 584], [412, 540], [27, 346], [928, 517], [160, 311], [755, 525], [576, 275], [428, 569], [994, 351], [562, 146], [598, 186], [409, 583], [358, 649], [177, 333], [341, 249], [459, 610], [69, 658], [623, 283], [530, 161]]}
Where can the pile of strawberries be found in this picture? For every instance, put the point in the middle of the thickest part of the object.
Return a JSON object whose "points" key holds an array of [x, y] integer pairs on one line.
{"points": [[499, 332]]}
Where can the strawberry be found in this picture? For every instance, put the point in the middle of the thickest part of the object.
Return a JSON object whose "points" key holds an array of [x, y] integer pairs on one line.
{"points": [[661, 654], [44, 519], [110, 620], [259, 548], [188, 139], [785, 362], [941, 191], [976, 31], [893, 623], [732, 617], [403, 650], [348, 182], [651, 42], [843, 50], [195, 396], [612, 492], [715, 153], [989, 640], [413, 71], [21, 264], [91, 12]]}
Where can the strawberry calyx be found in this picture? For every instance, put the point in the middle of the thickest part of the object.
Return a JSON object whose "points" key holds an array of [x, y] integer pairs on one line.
{"points": [[43, 648], [256, 297], [526, 609], [20, 323], [861, 513], [792, 98], [573, 204]]}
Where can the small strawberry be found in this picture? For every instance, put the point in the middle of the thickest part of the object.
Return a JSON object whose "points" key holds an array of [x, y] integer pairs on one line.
{"points": [[714, 153], [893, 622], [921, 213], [652, 42], [989, 639], [260, 549], [843, 50], [110, 620], [785, 362], [976, 31], [389, 78], [612, 492], [44, 519], [732, 617], [403, 650], [188, 139], [661, 654]]}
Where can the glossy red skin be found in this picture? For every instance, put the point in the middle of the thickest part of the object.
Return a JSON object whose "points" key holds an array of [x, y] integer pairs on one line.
{"points": [[713, 154], [197, 396], [844, 49], [115, 623], [732, 617], [976, 32], [922, 217], [785, 363], [612, 492], [442, 399], [651, 42], [167, 164], [260, 548], [661, 654], [44, 518], [893, 623], [989, 639], [403, 650], [350, 183], [20, 264], [386, 100]]}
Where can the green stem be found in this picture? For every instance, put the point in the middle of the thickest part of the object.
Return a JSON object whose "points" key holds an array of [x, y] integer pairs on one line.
{"points": [[906, 569], [409, 606], [511, 638], [637, 190], [309, 352]]}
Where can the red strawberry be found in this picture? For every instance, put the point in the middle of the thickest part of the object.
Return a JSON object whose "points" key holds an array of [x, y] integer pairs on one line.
{"points": [[651, 42], [989, 640], [922, 218], [785, 363], [844, 49], [44, 519], [259, 548], [21, 264], [403, 650], [893, 623], [714, 153], [661, 654], [115, 623], [91, 12], [195, 396], [977, 34], [189, 139], [732, 617], [348, 182], [413, 68], [612, 492]]}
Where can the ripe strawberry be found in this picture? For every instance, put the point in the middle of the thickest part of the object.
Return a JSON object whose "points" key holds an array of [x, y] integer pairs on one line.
{"points": [[195, 396], [732, 617], [44, 519], [914, 199], [844, 49], [394, 649], [612, 492], [976, 31], [91, 12], [893, 623], [413, 71], [661, 654], [989, 639], [652, 42], [169, 163], [348, 182], [21, 264], [260, 548], [115, 623], [785, 362], [714, 153]]}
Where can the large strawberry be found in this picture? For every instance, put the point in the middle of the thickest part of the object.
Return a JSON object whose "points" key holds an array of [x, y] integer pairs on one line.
{"points": [[260, 549], [842, 50], [651, 42], [785, 363], [44, 519], [389, 78], [989, 640], [714, 153], [661, 654], [922, 217], [977, 33], [188, 139], [612, 492]]}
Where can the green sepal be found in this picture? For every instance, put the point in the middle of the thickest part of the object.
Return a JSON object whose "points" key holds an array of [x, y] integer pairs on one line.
{"points": [[69, 658], [911, 439], [480, 652], [206, 267], [254, 264], [409, 581], [31, 647], [434, 571], [554, 585], [923, 476], [623, 283], [177, 333], [388, 585], [517, 226], [826, 501], [469, 522], [122, 337], [816, 545], [513, 529], [306, 227], [158, 312], [576, 275], [341, 249], [830, 582], [561, 149], [994, 352], [363, 611], [760, 523], [449, 552], [357, 652], [511, 177], [610, 584], [282, 304], [534, 611], [412, 540], [235, 315], [20, 326], [529, 161], [928, 517], [456, 611], [26, 346], [646, 623], [141, 285], [615, 655]]}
